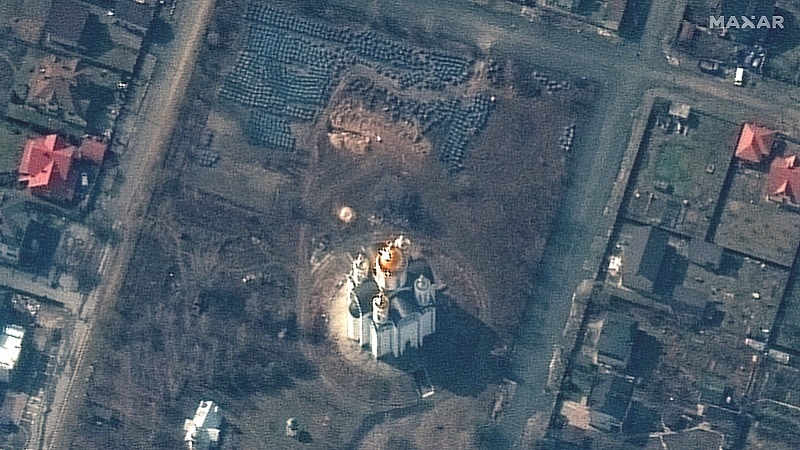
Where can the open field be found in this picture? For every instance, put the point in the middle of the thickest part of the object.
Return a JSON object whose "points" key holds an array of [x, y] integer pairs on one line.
{"points": [[776, 426], [679, 178], [776, 412], [783, 46], [186, 327], [754, 226], [733, 294], [24, 19], [12, 137], [789, 324]]}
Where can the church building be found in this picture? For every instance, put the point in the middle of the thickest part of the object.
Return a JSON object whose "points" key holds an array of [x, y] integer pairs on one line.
{"points": [[391, 300]]}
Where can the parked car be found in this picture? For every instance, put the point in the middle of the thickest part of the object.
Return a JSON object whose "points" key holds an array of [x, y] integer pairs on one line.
{"points": [[738, 78], [711, 67]]}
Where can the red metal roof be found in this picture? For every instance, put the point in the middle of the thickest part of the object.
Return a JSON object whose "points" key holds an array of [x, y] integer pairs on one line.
{"points": [[46, 165], [784, 178], [755, 143]]}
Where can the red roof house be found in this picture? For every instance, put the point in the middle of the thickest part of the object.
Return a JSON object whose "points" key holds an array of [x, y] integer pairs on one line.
{"points": [[93, 149], [783, 181], [46, 167], [755, 143]]}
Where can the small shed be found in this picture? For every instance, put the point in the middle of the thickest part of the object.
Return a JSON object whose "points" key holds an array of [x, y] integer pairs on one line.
{"points": [[680, 110]]}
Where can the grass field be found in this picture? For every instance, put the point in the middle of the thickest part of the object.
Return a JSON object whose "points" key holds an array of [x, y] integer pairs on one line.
{"points": [[789, 325], [674, 165], [11, 139], [754, 226], [680, 177]]}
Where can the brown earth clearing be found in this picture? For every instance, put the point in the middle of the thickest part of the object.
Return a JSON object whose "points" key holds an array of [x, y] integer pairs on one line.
{"points": [[228, 297]]}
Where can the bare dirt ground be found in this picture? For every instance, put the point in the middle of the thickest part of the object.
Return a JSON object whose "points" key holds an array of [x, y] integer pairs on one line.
{"points": [[187, 327]]}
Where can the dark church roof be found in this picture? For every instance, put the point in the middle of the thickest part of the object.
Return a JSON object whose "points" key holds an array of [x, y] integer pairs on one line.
{"points": [[402, 302], [417, 267], [364, 293]]}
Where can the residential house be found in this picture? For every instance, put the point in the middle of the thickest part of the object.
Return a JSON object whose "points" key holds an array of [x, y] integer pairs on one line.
{"points": [[134, 15], [47, 164], [13, 410], [643, 256], [46, 168], [52, 84], [13, 225], [783, 181], [203, 430], [10, 348], [755, 143], [609, 402], [10, 247], [65, 23], [616, 341]]}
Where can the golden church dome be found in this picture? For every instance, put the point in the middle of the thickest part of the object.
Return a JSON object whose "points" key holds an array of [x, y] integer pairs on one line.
{"points": [[390, 259]]}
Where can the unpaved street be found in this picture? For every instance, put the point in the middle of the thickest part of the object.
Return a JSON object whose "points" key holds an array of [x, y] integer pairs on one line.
{"points": [[140, 165]]}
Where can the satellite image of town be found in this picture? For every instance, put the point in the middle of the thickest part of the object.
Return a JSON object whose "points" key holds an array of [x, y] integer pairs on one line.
{"points": [[400, 224]]}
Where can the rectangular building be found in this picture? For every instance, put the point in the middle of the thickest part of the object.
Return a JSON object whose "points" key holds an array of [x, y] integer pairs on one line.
{"points": [[10, 348], [642, 258], [616, 341]]}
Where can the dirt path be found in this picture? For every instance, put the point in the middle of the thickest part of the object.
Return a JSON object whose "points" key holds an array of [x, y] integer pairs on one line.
{"points": [[148, 146]]}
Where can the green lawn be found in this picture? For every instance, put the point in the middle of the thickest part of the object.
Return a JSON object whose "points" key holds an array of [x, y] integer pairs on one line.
{"points": [[11, 140], [674, 164]]}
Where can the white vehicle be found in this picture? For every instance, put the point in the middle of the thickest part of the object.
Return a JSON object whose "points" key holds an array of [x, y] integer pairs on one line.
{"points": [[738, 79]]}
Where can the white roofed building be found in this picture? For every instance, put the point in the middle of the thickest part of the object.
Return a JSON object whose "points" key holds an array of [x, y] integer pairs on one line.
{"points": [[10, 348], [203, 431]]}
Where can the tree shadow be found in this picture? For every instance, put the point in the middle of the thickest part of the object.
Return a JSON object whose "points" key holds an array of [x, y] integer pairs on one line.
{"points": [[730, 265], [160, 32], [641, 420], [38, 248]]}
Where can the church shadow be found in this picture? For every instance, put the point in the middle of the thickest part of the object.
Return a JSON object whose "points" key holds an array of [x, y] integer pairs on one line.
{"points": [[458, 356]]}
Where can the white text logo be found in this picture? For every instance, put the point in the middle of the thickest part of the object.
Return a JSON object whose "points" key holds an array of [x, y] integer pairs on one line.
{"points": [[745, 23]]}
